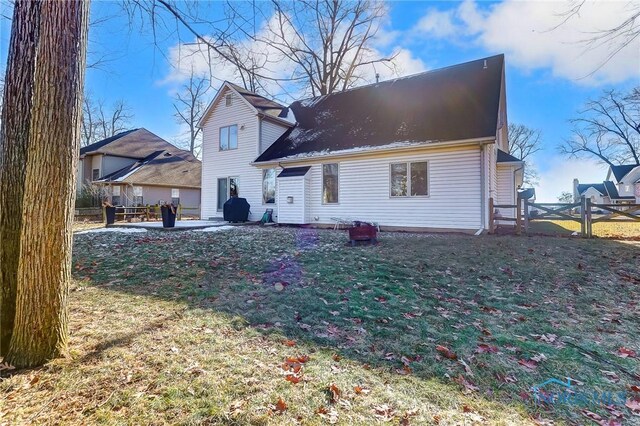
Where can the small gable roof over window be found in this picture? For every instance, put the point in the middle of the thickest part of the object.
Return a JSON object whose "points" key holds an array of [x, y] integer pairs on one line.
{"points": [[455, 103], [294, 171], [504, 157]]}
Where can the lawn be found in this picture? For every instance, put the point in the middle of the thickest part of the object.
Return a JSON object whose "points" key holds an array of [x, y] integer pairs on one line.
{"points": [[626, 229], [291, 326]]}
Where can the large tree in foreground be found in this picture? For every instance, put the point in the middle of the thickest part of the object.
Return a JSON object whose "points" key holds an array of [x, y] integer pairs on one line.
{"points": [[40, 134], [607, 129]]}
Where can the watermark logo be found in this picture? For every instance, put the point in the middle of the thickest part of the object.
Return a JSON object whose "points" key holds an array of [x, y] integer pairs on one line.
{"points": [[556, 391]]}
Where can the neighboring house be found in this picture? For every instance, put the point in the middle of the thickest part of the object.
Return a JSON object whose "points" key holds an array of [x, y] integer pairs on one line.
{"points": [[137, 167], [622, 186], [424, 151], [627, 179]]}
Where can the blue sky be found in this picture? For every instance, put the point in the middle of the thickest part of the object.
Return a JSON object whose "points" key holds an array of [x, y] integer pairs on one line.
{"points": [[548, 71]]}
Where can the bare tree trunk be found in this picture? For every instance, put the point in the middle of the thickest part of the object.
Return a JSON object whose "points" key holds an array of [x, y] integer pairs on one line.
{"points": [[14, 137], [40, 329]]}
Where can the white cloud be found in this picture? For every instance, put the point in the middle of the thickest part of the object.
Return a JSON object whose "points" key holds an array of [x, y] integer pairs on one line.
{"points": [[274, 64], [559, 174], [533, 36], [437, 23]]}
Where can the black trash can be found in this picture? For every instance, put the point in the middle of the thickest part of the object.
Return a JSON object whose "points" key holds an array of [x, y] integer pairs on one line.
{"points": [[110, 213], [168, 216]]}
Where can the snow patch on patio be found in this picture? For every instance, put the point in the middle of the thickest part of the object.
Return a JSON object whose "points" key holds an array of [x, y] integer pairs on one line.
{"points": [[215, 228], [121, 230]]}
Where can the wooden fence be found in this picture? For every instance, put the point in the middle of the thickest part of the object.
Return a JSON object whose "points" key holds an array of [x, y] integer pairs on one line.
{"points": [[584, 212], [147, 213]]}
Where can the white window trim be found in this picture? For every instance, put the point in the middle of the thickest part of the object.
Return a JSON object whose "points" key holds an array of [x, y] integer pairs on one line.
{"points": [[228, 138], [228, 194], [322, 186], [408, 163]]}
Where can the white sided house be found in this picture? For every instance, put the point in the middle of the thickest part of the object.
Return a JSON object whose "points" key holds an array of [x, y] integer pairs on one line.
{"points": [[425, 151]]}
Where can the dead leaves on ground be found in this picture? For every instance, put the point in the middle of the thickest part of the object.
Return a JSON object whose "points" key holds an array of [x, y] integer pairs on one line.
{"points": [[279, 407], [626, 353], [292, 367], [446, 352]]}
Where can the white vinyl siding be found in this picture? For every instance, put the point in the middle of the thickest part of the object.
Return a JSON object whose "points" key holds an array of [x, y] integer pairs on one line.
{"points": [[293, 188], [237, 162], [270, 133], [454, 200]]}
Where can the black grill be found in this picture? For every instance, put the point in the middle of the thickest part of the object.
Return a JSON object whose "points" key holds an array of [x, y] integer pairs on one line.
{"points": [[236, 210]]}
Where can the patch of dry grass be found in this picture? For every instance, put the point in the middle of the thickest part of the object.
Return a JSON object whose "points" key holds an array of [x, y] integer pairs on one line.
{"points": [[621, 229], [189, 328]]}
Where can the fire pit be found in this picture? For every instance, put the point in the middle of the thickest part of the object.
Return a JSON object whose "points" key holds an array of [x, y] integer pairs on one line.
{"points": [[361, 231]]}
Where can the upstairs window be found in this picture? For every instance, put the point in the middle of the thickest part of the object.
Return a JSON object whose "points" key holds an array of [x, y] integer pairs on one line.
{"points": [[228, 138], [409, 179], [228, 100], [330, 183]]}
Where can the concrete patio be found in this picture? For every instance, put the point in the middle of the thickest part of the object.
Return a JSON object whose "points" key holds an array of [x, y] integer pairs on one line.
{"points": [[181, 225]]}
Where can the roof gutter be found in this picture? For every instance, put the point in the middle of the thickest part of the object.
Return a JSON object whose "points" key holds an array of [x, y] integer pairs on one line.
{"points": [[338, 154], [275, 119]]}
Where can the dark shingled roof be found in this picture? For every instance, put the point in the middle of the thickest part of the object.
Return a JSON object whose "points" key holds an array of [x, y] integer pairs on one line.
{"points": [[597, 186], [260, 102], [503, 157], [294, 171], [453, 103], [621, 171]]}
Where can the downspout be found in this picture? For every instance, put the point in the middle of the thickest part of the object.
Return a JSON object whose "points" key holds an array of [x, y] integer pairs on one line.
{"points": [[482, 188], [259, 135]]}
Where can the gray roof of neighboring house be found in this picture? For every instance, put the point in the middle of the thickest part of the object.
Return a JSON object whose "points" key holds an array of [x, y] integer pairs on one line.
{"points": [[621, 171], [504, 157], [159, 162], [454, 103], [135, 143]]}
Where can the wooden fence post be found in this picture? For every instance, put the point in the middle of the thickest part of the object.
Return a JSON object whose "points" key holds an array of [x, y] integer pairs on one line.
{"points": [[179, 212], [589, 218], [526, 215], [519, 216], [583, 216], [492, 226]]}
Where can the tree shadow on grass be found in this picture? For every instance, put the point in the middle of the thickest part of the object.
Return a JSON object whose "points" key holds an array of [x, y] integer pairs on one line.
{"points": [[506, 307]]}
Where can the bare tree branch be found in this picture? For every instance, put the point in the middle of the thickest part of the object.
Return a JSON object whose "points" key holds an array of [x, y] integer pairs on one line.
{"points": [[608, 128], [190, 106], [523, 143]]}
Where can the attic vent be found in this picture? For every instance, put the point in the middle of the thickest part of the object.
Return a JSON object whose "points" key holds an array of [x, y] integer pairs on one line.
{"points": [[228, 100], [167, 154]]}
